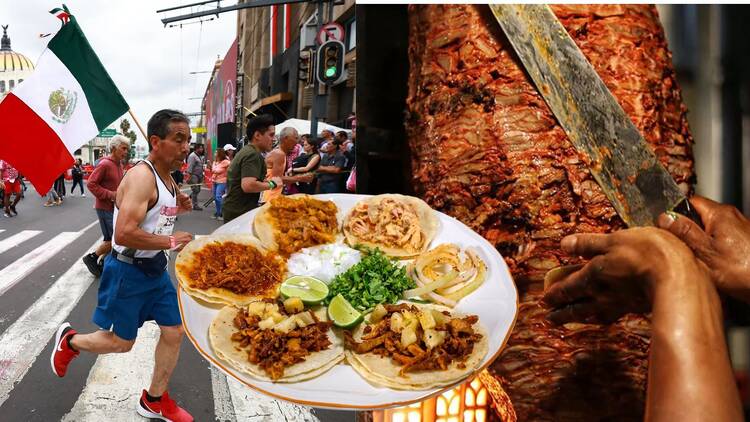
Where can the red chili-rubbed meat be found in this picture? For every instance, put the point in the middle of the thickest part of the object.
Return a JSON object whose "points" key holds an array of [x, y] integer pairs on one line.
{"points": [[487, 150]]}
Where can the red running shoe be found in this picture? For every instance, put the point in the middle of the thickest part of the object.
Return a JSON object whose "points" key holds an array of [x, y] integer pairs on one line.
{"points": [[62, 354], [165, 409]]}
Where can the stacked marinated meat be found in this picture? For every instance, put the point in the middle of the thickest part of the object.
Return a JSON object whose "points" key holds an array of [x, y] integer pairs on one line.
{"points": [[487, 150]]}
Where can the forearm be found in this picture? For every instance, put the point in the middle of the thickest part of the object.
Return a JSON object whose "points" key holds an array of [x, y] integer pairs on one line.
{"points": [[690, 375], [135, 238], [101, 192], [291, 179], [304, 169], [254, 186], [329, 169]]}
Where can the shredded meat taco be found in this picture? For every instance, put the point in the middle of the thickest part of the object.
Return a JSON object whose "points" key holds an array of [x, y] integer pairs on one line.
{"points": [[232, 269], [401, 226]]}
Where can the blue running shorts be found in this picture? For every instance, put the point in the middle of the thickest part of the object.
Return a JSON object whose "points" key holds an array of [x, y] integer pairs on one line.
{"points": [[127, 298]]}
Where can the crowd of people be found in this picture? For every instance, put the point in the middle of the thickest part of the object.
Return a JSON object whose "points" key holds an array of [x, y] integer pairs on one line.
{"points": [[293, 163], [288, 162], [297, 164]]}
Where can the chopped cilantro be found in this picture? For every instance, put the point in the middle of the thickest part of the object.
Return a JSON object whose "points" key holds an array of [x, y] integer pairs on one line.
{"points": [[375, 279]]}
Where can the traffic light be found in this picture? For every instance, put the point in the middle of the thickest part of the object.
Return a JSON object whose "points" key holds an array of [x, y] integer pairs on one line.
{"points": [[305, 66], [330, 66]]}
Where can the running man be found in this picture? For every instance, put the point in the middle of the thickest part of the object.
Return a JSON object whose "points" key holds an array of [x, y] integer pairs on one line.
{"points": [[135, 286]]}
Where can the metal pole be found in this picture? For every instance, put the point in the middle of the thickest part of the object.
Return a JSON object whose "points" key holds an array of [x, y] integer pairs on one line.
{"points": [[251, 3], [317, 104]]}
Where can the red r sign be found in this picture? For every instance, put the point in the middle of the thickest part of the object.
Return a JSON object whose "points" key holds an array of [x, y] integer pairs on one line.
{"points": [[331, 31]]}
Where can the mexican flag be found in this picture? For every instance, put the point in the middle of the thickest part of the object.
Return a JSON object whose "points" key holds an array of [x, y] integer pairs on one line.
{"points": [[65, 103]]}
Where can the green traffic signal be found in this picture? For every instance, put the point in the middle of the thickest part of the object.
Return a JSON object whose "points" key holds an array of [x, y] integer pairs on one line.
{"points": [[330, 62]]}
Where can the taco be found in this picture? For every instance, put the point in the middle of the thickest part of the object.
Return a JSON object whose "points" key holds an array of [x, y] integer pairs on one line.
{"points": [[268, 344], [290, 223], [416, 346], [401, 226], [231, 269]]}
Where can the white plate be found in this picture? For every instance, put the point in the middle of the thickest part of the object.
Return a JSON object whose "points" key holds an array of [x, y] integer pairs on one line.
{"points": [[496, 303]]}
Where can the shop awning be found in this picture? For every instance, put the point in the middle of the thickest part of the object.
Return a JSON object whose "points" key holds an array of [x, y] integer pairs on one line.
{"points": [[275, 98]]}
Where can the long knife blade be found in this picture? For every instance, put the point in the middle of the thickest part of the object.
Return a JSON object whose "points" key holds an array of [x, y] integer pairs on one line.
{"points": [[630, 175]]}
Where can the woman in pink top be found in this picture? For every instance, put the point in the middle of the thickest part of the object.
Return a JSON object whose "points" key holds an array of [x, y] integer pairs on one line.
{"points": [[219, 179]]}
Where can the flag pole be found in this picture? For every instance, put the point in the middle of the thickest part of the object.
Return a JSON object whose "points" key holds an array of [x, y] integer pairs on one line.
{"points": [[137, 123]]}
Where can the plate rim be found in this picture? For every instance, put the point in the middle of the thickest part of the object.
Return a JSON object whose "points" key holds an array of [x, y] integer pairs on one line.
{"points": [[428, 394]]}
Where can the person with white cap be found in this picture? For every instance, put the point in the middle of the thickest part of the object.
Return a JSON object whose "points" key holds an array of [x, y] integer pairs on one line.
{"points": [[230, 150]]}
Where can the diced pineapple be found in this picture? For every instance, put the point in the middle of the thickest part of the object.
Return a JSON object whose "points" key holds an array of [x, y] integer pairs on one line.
{"points": [[294, 305], [408, 317], [378, 313], [426, 320], [408, 336], [269, 308], [397, 322], [304, 319], [286, 325], [256, 308], [276, 316], [412, 324], [433, 338], [266, 324], [440, 318]]}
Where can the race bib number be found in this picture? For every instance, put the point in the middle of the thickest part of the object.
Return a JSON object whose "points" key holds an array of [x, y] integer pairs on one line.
{"points": [[167, 217]]}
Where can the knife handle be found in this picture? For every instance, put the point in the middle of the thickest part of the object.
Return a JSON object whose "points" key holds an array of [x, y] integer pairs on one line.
{"points": [[684, 208]]}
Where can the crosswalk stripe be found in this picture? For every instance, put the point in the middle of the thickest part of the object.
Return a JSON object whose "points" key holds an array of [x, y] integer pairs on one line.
{"points": [[17, 239], [22, 342], [223, 408], [115, 382], [16, 271], [250, 405]]}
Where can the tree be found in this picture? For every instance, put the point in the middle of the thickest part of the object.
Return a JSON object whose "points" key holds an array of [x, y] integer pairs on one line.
{"points": [[125, 128]]}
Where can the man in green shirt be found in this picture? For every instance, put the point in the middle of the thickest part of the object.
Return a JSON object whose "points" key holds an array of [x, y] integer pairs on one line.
{"points": [[247, 172]]}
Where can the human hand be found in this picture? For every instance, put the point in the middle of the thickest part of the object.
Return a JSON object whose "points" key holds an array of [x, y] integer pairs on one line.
{"points": [[184, 203], [277, 180], [628, 271], [306, 178], [724, 246], [181, 239]]}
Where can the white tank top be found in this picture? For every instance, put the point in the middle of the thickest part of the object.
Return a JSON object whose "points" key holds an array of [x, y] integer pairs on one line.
{"points": [[159, 219]]}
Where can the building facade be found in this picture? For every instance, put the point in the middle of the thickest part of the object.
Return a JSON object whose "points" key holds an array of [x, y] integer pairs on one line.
{"points": [[14, 67], [270, 40]]}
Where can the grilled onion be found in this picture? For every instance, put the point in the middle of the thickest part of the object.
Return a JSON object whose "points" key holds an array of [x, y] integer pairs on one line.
{"points": [[446, 274]]}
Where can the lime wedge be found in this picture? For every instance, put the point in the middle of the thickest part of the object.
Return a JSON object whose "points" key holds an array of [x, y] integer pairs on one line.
{"points": [[311, 290], [342, 313]]}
